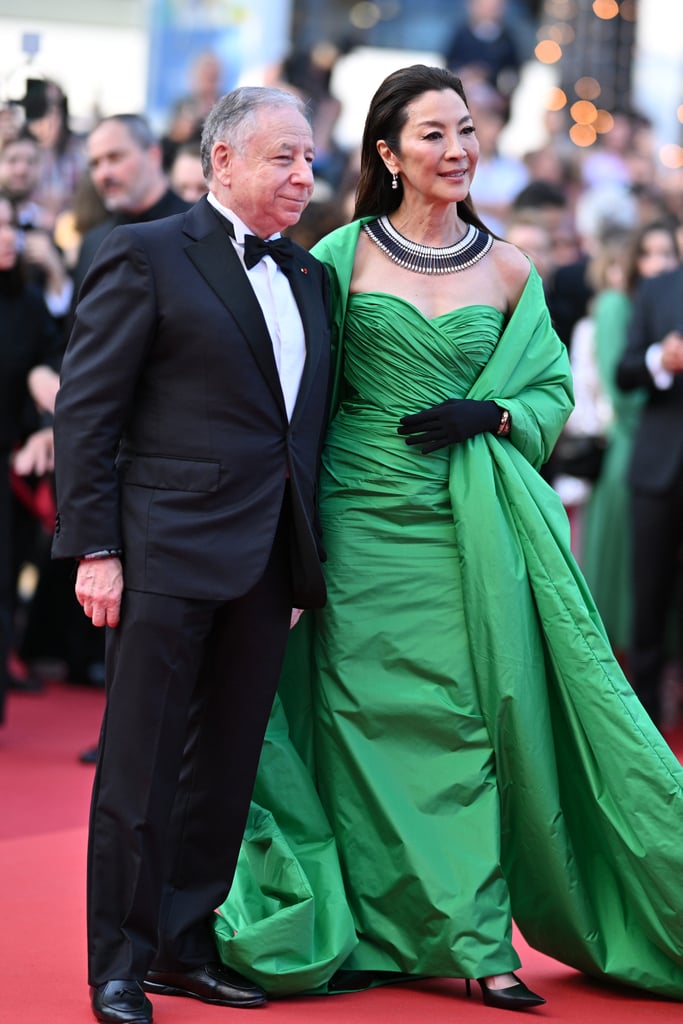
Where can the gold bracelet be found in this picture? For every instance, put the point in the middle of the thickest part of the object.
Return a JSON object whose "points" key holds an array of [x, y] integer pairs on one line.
{"points": [[504, 425]]}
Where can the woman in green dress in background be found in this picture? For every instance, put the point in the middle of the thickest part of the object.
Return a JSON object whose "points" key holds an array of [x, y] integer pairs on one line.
{"points": [[606, 540], [455, 745]]}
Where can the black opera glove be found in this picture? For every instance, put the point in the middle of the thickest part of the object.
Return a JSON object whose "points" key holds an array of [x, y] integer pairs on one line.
{"points": [[452, 421]]}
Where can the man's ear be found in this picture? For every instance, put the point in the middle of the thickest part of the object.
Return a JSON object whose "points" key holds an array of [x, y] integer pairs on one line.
{"points": [[221, 161]]}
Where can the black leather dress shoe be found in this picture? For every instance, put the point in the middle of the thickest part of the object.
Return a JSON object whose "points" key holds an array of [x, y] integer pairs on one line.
{"points": [[212, 983], [120, 1002]]}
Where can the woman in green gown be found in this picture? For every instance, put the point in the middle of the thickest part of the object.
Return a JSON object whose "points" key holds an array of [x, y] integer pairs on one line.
{"points": [[454, 745]]}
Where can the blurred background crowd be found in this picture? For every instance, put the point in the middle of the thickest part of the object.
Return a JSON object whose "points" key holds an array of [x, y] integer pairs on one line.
{"points": [[578, 108]]}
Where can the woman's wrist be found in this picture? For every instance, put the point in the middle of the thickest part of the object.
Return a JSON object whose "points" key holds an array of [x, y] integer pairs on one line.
{"points": [[504, 425]]}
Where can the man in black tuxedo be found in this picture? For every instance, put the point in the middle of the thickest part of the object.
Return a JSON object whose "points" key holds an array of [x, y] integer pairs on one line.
{"points": [[187, 430], [654, 360]]}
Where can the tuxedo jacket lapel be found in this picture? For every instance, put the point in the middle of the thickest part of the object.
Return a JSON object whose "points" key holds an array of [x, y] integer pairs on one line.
{"points": [[301, 283], [214, 256], [216, 260]]}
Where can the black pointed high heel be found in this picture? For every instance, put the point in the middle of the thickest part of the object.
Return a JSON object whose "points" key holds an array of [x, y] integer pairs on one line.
{"points": [[514, 997]]}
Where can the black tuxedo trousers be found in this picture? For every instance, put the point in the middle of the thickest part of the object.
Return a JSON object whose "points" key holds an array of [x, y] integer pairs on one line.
{"points": [[193, 682]]}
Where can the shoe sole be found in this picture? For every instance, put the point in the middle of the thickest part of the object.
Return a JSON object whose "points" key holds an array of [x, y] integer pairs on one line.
{"points": [[100, 1016]]}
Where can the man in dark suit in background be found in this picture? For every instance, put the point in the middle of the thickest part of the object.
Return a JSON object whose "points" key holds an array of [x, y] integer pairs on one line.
{"points": [[203, 368], [654, 360], [125, 164]]}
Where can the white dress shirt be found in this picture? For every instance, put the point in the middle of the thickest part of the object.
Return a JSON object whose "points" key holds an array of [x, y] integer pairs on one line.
{"points": [[281, 313]]}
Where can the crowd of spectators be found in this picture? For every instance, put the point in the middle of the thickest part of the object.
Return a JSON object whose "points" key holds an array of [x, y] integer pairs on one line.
{"points": [[585, 218]]}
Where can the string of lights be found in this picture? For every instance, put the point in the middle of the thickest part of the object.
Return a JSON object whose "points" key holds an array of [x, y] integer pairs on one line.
{"points": [[592, 46]]}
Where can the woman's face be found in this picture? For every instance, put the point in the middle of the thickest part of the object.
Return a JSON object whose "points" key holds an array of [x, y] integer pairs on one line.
{"points": [[438, 149], [8, 236], [657, 254]]}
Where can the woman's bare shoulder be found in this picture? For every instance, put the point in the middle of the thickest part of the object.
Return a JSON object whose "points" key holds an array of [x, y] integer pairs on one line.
{"points": [[513, 268]]}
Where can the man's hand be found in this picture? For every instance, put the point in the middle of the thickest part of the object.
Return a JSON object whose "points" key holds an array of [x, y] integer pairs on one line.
{"points": [[99, 586], [295, 616], [40, 251], [37, 454], [43, 383], [672, 352]]}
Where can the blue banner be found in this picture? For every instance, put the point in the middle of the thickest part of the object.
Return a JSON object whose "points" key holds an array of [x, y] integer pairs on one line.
{"points": [[244, 37]]}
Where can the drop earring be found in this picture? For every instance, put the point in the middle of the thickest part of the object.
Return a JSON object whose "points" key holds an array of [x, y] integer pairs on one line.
{"points": [[394, 180]]}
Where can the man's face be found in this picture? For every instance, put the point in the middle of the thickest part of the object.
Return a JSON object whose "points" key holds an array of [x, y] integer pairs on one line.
{"points": [[268, 181], [186, 177], [19, 168], [8, 235], [122, 172]]}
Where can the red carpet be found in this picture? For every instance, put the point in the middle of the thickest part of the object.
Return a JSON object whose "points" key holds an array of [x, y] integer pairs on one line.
{"points": [[45, 795]]}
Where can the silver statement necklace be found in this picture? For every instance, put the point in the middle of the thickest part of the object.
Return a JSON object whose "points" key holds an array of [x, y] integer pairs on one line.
{"points": [[428, 259]]}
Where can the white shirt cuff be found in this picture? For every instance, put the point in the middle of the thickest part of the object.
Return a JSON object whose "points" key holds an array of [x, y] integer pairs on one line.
{"points": [[59, 305], [653, 360]]}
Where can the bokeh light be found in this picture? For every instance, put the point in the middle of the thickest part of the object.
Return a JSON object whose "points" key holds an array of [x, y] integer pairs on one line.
{"points": [[672, 156], [559, 32], [583, 112], [556, 99], [364, 15], [548, 52], [588, 88], [605, 9], [582, 135], [604, 122]]}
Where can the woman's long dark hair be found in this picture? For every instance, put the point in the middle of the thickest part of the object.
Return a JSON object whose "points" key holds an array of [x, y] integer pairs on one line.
{"points": [[14, 280], [386, 118], [665, 226]]}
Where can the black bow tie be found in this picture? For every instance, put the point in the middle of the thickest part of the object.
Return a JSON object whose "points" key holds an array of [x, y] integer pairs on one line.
{"points": [[280, 249]]}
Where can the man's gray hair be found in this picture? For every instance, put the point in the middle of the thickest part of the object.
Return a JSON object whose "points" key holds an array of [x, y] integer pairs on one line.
{"points": [[137, 126], [233, 116]]}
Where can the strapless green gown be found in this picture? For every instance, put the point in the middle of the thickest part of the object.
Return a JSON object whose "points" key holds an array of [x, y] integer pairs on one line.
{"points": [[454, 744]]}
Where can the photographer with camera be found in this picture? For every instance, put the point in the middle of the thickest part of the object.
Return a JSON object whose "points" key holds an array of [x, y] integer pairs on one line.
{"points": [[19, 176]]}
